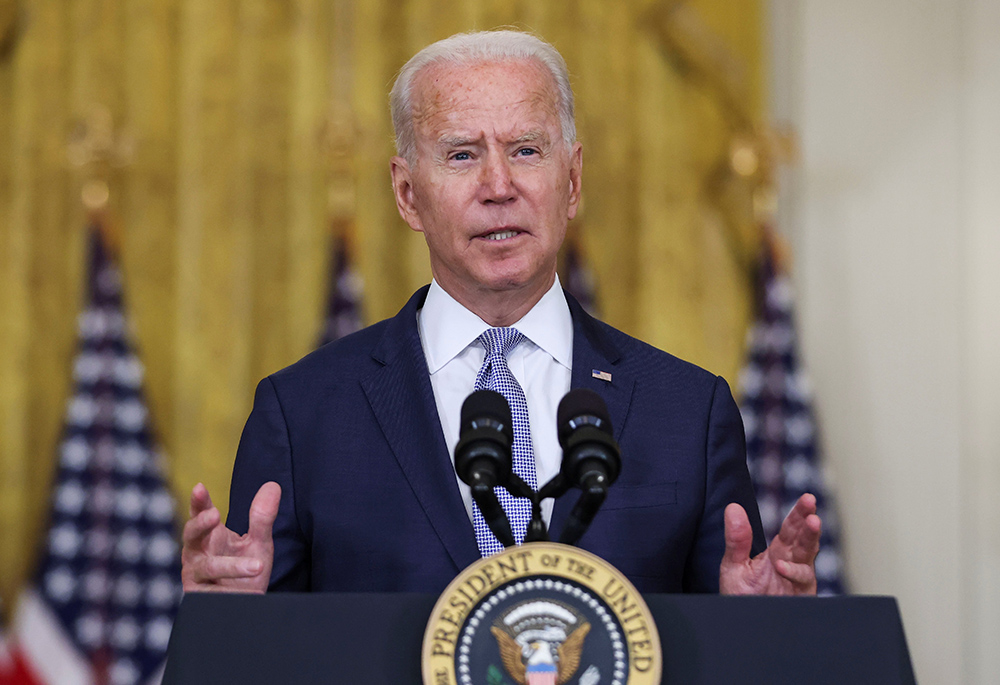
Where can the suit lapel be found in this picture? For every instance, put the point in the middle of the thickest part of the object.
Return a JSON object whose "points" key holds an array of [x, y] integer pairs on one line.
{"points": [[401, 397], [594, 351]]}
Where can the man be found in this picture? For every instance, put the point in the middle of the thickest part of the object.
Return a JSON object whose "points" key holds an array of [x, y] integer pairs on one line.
{"points": [[346, 455]]}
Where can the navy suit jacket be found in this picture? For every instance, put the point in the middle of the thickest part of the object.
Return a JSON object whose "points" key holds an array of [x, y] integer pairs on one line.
{"points": [[369, 498]]}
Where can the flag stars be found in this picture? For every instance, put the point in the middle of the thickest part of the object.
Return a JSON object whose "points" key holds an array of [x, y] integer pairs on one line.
{"points": [[130, 546], [779, 423], [128, 372], [90, 629], [96, 586], [129, 503], [127, 590], [82, 411], [88, 367], [100, 323], [160, 507], [104, 453], [126, 633], [111, 571], [130, 415], [65, 541], [774, 427], [799, 388], [827, 564], [102, 499], [751, 381], [124, 672], [60, 584], [109, 281], [163, 591], [98, 544], [799, 474], [800, 430], [75, 454], [131, 458], [770, 511], [158, 633], [161, 550], [70, 498], [779, 294]]}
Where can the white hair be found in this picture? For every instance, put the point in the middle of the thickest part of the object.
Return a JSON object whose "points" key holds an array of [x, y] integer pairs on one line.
{"points": [[468, 48]]}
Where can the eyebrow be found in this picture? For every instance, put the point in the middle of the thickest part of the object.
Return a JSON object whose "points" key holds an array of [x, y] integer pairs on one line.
{"points": [[464, 141], [530, 137], [457, 141]]}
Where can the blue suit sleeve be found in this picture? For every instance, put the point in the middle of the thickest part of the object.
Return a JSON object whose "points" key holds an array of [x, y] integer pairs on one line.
{"points": [[726, 480], [264, 455]]}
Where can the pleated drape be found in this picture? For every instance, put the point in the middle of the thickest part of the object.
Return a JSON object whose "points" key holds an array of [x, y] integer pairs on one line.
{"points": [[256, 125]]}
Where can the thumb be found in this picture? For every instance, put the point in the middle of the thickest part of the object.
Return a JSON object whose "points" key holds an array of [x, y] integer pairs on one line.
{"points": [[739, 535], [263, 510]]}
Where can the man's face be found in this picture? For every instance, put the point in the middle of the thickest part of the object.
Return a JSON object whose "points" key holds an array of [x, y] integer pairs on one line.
{"points": [[493, 184]]}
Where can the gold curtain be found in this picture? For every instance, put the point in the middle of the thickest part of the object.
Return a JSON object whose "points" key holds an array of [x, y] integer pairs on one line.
{"points": [[259, 124]]}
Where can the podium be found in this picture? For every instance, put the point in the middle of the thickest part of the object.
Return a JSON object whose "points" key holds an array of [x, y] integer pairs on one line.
{"points": [[376, 638]]}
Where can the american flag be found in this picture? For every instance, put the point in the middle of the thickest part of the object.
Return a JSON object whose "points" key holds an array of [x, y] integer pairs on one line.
{"points": [[343, 308], [777, 408], [577, 278], [13, 668], [108, 583]]}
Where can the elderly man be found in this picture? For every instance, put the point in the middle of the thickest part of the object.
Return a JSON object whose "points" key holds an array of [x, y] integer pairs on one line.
{"points": [[347, 453]]}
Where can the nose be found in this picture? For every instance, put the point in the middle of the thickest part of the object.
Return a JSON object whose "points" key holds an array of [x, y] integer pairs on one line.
{"points": [[496, 181]]}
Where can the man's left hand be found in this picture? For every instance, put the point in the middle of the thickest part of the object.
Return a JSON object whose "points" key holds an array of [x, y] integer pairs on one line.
{"points": [[787, 567]]}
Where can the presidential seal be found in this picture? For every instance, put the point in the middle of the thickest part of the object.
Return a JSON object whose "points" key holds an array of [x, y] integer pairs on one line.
{"points": [[541, 614]]}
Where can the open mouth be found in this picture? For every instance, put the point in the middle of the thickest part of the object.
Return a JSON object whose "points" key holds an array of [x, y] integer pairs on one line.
{"points": [[500, 235]]}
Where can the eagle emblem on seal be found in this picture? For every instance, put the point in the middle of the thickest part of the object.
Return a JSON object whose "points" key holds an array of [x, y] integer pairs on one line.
{"points": [[541, 641]]}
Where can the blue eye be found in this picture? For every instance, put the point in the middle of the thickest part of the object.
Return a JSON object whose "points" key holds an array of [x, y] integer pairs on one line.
{"points": [[461, 156], [527, 152]]}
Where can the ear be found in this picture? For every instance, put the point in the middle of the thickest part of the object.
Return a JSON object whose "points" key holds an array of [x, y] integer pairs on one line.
{"points": [[402, 188], [575, 179]]}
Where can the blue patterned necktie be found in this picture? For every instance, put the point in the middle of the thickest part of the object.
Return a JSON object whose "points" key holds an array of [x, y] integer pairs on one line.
{"points": [[496, 375]]}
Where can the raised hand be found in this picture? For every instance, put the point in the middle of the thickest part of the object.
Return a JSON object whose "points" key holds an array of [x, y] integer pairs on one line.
{"points": [[215, 559], [787, 567]]}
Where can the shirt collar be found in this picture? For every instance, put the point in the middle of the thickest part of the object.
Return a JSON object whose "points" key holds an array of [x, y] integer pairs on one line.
{"points": [[447, 328]]}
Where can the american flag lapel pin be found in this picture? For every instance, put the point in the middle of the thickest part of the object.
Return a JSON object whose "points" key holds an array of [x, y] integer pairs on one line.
{"points": [[601, 375]]}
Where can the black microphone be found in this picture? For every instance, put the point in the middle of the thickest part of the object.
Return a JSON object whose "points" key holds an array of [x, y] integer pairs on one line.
{"points": [[591, 458], [483, 456]]}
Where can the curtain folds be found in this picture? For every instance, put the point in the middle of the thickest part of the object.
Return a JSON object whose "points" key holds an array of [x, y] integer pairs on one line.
{"points": [[255, 126]]}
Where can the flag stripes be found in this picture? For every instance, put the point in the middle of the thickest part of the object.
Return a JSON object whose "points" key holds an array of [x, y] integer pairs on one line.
{"points": [[108, 582]]}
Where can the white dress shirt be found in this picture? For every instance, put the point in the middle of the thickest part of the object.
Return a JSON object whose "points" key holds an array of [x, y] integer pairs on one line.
{"points": [[541, 364]]}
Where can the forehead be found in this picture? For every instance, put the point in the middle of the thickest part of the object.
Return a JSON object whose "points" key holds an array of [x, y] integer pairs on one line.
{"points": [[506, 93]]}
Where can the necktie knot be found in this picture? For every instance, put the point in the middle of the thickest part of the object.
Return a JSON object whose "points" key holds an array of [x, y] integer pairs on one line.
{"points": [[500, 341]]}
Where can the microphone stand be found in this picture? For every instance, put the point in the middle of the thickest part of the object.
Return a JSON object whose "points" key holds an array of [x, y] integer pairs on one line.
{"points": [[595, 490], [537, 531]]}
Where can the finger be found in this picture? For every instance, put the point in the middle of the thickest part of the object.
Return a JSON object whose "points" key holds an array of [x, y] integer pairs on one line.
{"points": [[200, 526], [200, 500], [739, 535], [805, 506], [263, 511], [808, 546], [210, 569], [799, 574], [801, 527]]}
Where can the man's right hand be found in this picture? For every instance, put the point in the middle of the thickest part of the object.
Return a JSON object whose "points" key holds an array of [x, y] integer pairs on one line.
{"points": [[215, 559]]}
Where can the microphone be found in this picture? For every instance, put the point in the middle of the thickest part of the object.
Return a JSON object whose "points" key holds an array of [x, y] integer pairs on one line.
{"points": [[591, 458], [483, 456]]}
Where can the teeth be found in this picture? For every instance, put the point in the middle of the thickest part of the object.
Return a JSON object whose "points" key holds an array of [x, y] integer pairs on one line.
{"points": [[501, 235]]}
